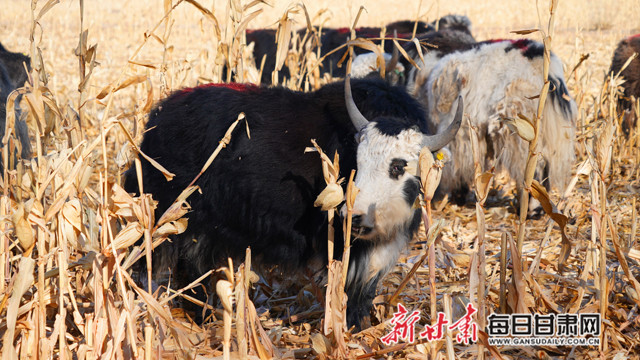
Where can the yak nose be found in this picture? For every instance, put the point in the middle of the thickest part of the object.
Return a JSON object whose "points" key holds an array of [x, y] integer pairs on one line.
{"points": [[359, 228]]}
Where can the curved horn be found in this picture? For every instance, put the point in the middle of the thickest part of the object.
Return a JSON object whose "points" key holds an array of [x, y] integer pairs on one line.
{"points": [[358, 120], [395, 56], [438, 141]]}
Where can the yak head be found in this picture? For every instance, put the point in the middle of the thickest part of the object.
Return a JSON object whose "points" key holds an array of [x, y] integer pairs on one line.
{"points": [[386, 162]]}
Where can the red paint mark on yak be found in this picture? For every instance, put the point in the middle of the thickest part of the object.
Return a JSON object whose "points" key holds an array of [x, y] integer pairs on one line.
{"points": [[491, 41], [360, 32], [520, 44], [633, 36], [232, 86]]}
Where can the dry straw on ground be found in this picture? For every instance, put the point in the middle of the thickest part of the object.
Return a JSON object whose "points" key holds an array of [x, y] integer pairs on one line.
{"points": [[67, 227]]}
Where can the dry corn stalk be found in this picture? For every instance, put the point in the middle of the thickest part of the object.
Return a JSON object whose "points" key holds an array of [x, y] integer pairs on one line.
{"points": [[523, 127], [328, 200]]}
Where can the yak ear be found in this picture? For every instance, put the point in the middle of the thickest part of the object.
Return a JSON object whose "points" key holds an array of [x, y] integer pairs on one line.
{"points": [[448, 86]]}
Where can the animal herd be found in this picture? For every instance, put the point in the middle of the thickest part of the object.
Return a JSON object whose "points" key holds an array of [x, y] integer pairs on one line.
{"points": [[261, 189]]}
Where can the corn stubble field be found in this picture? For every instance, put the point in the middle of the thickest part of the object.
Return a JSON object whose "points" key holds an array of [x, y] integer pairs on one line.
{"points": [[67, 226]]}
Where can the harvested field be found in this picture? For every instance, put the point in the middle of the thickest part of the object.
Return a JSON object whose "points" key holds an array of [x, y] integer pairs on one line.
{"points": [[67, 229]]}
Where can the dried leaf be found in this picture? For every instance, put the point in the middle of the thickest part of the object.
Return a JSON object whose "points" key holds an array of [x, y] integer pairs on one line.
{"points": [[320, 343], [483, 185], [603, 148], [208, 14], [524, 32], [23, 282], [283, 39], [540, 193], [522, 127], [430, 173], [171, 228], [145, 63], [70, 221], [46, 8], [23, 230], [72, 213], [132, 80], [517, 287], [177, 210], [125, 238], [406, 56], [224, 289], [330, 197]]}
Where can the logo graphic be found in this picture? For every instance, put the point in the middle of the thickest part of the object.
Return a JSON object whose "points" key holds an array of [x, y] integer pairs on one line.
{"points": [[503, 329], [404, 327]]}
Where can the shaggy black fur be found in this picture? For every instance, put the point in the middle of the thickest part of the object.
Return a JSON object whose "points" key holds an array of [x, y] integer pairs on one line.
{"points": [[13, 62], [12, 75], [631, 75], [259, 192]]}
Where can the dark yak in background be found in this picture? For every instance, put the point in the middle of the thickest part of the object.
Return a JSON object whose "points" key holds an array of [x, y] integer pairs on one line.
{"points": [[12, 76], [331, 38], [334, 38], [13, 63], [631, 74]]}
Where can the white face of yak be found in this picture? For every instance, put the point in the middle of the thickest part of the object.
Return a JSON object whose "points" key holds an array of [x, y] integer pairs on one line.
{"points": [[387, 182], [387, 161]]}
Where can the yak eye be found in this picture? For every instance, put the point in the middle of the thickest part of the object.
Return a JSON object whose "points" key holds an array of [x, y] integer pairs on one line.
{"points": [[396, 169]]}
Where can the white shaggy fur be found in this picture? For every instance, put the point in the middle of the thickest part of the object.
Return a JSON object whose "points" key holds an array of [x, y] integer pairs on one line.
{"points": [[418, 77], [441, 43], [365, 64], [498, 84]]}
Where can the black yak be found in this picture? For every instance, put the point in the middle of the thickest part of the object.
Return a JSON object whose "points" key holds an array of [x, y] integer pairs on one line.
{"points": [[627, 103], [260, 191], [12, 76], [14, 64], [265, 45]]}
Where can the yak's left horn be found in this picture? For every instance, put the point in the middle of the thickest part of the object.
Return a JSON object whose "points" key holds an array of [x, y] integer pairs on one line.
{"points": [[358, 120], [395, 55]]}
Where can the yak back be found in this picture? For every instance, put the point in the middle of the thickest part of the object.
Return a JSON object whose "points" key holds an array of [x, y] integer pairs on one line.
{"points": [[13, 63]]}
